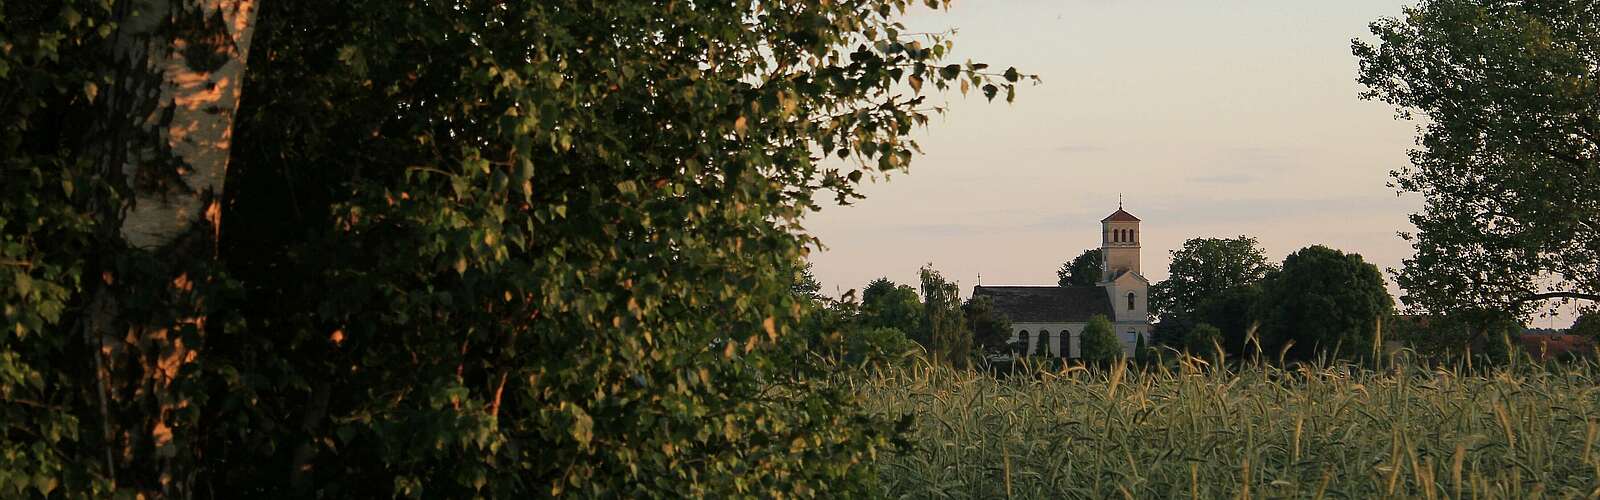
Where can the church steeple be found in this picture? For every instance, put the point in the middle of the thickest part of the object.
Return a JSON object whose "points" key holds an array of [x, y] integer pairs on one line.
{"points": [[1119, 245]]}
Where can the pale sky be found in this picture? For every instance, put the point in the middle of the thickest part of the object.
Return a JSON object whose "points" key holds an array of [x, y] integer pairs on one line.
{"points": [[1213, 118]]}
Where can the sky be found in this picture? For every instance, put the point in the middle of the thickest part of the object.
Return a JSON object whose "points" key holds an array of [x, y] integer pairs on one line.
{"points": [[1212, 118]]}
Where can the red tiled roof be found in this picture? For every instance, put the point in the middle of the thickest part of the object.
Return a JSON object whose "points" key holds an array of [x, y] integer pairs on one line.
{"points": [[1120, 216]]}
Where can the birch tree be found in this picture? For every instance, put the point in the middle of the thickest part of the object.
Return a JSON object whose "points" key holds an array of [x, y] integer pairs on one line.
{"points": [[167, 132]]}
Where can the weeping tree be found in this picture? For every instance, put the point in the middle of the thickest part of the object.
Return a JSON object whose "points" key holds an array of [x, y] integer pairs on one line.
{"points": [[440, 249], [944, 325], [1508, 162]]}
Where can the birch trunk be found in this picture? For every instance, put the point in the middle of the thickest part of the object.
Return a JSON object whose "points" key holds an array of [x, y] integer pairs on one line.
{"points": [[166, 138]]}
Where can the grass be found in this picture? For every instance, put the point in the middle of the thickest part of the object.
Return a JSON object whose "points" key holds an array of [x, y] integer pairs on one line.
{"points": [[1258, 432]]}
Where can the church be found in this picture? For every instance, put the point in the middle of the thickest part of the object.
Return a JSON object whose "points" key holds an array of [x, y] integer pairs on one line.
{"points": [[1057, 314]]}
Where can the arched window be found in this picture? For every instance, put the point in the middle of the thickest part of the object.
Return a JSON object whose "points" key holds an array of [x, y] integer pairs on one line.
{"points": [[1130, 301], [1044, 343], [1023, 335], [1119, 236]]}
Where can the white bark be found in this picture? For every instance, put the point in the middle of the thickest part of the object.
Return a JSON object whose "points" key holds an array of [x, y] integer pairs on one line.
{"points": [[169, 131], [193, 113]]}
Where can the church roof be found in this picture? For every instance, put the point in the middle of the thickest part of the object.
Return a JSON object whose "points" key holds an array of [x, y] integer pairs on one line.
{"points": [[1120, 216], [1048, 304], [1120, 273]]}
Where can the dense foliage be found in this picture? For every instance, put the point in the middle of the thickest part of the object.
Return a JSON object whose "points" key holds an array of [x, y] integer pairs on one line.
{"points": [[1324, 302], [944, 326], [1203, 340], [1479, 336], [1508, 162], [1098, 344], [1215, 281], [470, 248], [1236, 313], [1205, 268], [1084, 270], [887, 305], [991, 329], [1587, 325]]}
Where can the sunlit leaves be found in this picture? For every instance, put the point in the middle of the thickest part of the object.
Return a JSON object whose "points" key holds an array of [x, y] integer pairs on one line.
{"points": [[551, 240]]}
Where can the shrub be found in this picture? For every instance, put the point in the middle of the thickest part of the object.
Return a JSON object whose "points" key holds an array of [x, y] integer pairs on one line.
{"points": [[1098, 343], [878, 346]]}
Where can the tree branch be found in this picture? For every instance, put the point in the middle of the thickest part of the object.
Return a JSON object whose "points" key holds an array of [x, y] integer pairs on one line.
{"points": [[1559, 295]]}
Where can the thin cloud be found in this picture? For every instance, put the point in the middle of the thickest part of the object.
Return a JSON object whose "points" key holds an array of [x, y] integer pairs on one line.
{"points": [[1080, 148], [1223, 179]]}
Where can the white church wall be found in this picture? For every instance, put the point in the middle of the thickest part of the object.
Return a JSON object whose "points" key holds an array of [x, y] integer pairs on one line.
{"points": [[1118, 293], [1128, 334], [1055, 329]]}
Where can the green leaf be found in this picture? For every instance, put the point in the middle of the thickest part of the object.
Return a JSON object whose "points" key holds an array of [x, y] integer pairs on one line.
{"points": [[582, 426]]}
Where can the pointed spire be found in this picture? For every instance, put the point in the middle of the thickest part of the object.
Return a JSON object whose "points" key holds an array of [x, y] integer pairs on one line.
{"points": [[1119, 201]]}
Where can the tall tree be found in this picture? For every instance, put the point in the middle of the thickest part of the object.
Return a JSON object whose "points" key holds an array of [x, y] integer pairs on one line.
{"points": [[1083, 270], [1205, 268], [1508, 163], [991, 329], [1142, 353], [547, 238], [1323, 302], [943, 324], [1235, 313], [163, 143], [885, 304]]}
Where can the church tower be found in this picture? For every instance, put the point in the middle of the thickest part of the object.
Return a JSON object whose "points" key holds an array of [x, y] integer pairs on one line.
{"points": [[1119, 244]]}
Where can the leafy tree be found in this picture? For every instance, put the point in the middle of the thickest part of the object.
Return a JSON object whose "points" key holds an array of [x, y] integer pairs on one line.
{"points": [[1203, 340], [1587, 325], [1481, 333], [113, 150], [1234, 312], [1204, 268], [887, 305], [1083, 270], [1509, 158], [943, 324], [499, 249], [1098, 343], [991, 329], [885, 346], [1323, 301], [1171, 329], [805, 284]]}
